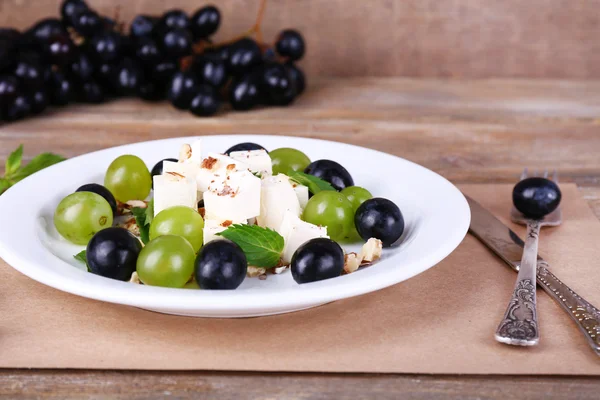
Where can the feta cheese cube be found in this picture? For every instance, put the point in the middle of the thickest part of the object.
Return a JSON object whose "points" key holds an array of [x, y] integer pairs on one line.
{"points": [[212, 227], [257, 160], [225, 161], [277, 197], [296, 232], [301, 193], [215, 168], [172, 189], [236, 198], [188, 170]]}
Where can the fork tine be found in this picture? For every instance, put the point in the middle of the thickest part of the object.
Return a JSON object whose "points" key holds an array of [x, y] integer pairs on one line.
{"points": [[536, 172], [524, 174], [546, 173], [555, 176]]}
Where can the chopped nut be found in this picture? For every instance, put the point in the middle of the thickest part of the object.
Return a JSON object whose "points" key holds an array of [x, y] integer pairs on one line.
{"points": [[371, 250], [185, 153], [253, 272], [351, 262], [279, 270], [131, 226], [135, 278], [137, 203], [208, 163], [227, 223], [230, 167], [176, 174]]}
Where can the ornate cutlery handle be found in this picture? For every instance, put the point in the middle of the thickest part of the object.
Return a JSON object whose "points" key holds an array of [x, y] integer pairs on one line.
{"points": [[585, 315], [519, 325]]}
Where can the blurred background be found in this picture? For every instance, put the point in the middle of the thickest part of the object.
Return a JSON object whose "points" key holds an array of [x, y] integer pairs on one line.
{"points": [[417, 38]]}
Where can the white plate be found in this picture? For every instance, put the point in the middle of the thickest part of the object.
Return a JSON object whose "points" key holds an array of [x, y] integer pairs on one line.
{"points": [[436, 215]]}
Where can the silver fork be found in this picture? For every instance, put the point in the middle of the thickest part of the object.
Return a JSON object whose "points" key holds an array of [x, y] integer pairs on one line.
{"points": [[520, 325]]}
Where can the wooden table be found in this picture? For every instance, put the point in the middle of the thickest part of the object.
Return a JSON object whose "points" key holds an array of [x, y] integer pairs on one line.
{"points": [[468, 131]]}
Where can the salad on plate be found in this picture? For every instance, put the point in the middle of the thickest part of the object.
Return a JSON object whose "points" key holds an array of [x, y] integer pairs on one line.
{"points": [[209, 221]]}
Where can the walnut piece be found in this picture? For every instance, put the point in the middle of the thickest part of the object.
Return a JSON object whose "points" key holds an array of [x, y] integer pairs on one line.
{"points": [[135, 278], [351, 262], [131, 226], [279, 270], [208, 163], [371, 250], [253, 272]]}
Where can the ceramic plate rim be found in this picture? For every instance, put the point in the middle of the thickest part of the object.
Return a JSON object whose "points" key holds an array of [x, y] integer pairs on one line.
{"points": [[88, 285]]}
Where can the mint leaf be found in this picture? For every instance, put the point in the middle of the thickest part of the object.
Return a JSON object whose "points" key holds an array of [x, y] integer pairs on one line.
{"points": [[262, 246], [38, 163], [13, 162], [4, 184], [140, 219], [149, 212], [315, 185], [81, 256], [257, 174]]}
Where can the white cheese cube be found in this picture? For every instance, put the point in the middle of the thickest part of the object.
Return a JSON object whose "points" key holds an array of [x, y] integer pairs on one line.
{"points": [[257, 160], [172, 189], [296, 232], [235, 198], [213, 227], [277, 197], [215, 168], [224, 161], [188, 170], [301, 193]]}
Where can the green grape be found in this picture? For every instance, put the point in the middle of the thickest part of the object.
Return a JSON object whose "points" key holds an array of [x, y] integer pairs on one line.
{"points": [[80, 215], [180, 221], [356, 196], [128, 178], [286, 159], [166, 261], [333, 210]]}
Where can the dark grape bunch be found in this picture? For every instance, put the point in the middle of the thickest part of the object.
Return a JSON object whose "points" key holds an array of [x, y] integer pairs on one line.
{"points": [[87, 57]]}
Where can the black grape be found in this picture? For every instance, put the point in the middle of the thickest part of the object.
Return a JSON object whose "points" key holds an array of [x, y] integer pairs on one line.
{"points": [[205, 22]]}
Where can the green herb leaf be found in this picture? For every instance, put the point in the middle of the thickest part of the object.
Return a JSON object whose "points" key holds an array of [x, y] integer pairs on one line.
{"points": [[140, 219], [81, 256], [38, 163], [4, 184], [257, 174], [13, 162], [262, 246], [315, 185], [150, 212]]}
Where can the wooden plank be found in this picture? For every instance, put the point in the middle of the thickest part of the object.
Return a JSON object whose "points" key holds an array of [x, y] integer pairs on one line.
{"points": [[419, 38], [133, 385], [469, 131]]}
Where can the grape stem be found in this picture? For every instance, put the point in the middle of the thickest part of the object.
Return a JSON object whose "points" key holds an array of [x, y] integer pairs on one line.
{"points": [[255, 30]]}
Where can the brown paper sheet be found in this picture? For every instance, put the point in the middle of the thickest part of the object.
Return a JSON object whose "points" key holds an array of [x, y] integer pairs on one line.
{"points": [[441, 321]]}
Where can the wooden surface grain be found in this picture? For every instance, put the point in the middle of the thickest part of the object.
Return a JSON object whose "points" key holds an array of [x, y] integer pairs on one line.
{"points": [[418, 38], [467, 130], [136, 385]]}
